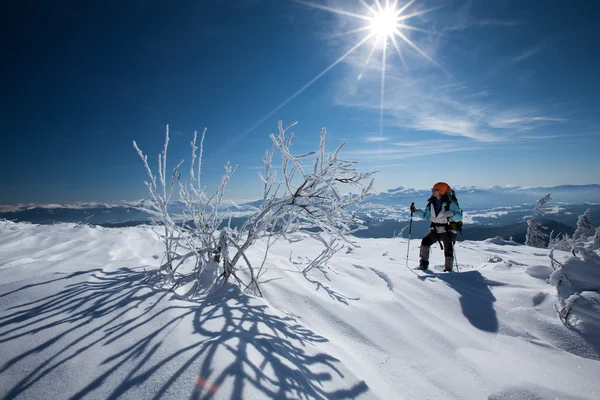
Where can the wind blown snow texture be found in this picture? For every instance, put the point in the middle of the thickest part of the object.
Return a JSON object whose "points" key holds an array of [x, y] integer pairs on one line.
{"points": [[79, 319]]}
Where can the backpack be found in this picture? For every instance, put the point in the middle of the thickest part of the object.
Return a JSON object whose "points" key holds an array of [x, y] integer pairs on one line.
{"points": [[452, 196], [454, 225]]}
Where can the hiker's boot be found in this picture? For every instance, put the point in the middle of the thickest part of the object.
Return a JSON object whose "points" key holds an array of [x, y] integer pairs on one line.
{"points": [[424, 258], [448, 264]]}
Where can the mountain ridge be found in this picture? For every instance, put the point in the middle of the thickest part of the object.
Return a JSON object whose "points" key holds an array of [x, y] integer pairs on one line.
{"points": [[400, 190]]}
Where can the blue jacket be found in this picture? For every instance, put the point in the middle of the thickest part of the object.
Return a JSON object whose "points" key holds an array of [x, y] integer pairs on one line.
{"points": [[449, 211]]}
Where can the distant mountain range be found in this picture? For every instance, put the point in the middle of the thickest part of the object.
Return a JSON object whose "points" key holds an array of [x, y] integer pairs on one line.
{"points": [[516, 231], [489, 212], [495, 206], [496, 197]]}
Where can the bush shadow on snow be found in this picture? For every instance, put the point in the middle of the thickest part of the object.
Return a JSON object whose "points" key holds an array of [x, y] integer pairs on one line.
{"points": [[95, 309], [476, 298], [333, 294]]}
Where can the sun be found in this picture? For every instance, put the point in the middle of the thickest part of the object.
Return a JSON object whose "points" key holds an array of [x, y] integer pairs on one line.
{"points": [[384, 23]]}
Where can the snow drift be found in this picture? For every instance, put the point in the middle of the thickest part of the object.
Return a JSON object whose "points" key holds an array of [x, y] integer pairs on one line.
{"points": [[79, 318]]}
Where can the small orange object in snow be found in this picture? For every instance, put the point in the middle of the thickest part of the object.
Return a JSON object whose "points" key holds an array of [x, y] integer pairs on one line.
{"points": [[203, 383]]}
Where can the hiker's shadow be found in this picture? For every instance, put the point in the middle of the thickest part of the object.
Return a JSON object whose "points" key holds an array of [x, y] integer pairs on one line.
{"points": [[476, 297]]}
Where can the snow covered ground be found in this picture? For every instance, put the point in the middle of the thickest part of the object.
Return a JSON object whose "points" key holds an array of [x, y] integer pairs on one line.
{"points": [[78, 319]]}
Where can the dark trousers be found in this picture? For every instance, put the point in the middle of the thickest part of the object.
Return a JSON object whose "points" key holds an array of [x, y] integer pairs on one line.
{"points": [[445, 237]]}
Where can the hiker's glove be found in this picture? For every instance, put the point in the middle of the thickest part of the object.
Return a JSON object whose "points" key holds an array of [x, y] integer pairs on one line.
{"points": [[448, 214], [413, 209]]}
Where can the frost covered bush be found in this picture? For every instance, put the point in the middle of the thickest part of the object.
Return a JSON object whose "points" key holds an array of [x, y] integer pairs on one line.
{"points": [[561, 242], [8, 224], [585, 230], [494, 259], [597, 239], [195, 237], [577, 283], [535, 237], [322, 200]]}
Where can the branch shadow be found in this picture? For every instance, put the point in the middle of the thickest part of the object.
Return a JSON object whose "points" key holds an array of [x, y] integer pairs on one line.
{"points": [[69, 276], [237, 344], [279, 342], [476, 298], [333, 294]]}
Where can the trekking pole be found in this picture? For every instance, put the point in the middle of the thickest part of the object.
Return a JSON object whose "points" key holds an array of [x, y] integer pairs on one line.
{"points": [[412, 205], [455, 259]]}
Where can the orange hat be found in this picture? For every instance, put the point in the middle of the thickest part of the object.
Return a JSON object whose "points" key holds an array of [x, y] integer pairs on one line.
{"points": [[443, 187]]}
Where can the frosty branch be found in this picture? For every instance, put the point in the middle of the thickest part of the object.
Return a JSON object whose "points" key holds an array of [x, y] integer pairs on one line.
{"points": [[305, 198]]}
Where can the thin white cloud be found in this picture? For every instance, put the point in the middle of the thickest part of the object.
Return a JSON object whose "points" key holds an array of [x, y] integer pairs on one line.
{"points": [[463, 19], [535, 137], [431, 103], [449, 126], [528, 53], [523, 122], [372, 139], [388, 166], [523, 56], [574, 138], [495, 22], [481, 22], [403, 150]]}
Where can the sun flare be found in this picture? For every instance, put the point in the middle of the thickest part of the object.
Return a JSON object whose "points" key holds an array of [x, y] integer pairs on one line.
{"points": [[384, 23]]}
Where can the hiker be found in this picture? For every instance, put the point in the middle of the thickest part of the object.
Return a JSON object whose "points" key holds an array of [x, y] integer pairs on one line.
{"points": [[442, 210]]}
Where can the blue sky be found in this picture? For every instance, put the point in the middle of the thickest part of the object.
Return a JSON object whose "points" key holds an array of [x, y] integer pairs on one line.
{"points": [[498, 92]]}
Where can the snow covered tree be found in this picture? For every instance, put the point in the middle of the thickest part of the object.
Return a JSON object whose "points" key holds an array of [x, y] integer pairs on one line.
{"points": [[316, 200], [585, 227], [535, 237], [597, 239]]}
